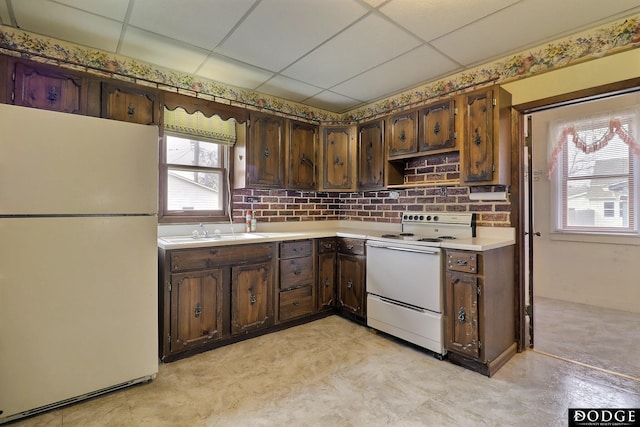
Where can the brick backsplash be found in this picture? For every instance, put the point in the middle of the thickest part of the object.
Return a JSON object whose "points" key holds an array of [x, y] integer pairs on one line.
{"points": [[376, 206]]}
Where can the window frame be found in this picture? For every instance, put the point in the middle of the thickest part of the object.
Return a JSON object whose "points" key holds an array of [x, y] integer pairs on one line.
{"points": [[559, 194], [166, 215], [209, 108]]}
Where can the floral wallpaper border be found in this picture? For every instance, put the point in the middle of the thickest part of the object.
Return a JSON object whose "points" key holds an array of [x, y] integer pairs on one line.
{"points": [[612, 38]]}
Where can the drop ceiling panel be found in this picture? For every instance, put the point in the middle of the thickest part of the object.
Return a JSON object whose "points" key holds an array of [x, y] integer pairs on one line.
{"points": [[66, 23], [294, 29], [114, 9], [332, 102], [368, 43], [286, 88], [161, 51], [409, 70], [441, 16], [203, 23], [525, 24], [233, 73]]}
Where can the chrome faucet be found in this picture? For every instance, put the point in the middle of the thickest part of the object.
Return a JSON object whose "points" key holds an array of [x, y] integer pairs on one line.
{"points": [[205, 233]]}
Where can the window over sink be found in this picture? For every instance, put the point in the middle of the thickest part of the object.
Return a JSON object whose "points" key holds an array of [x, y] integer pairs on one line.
{"points": [[194, 169]]}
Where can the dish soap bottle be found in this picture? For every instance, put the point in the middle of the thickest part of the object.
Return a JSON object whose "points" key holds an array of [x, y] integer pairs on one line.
{"points": [[249, 219]]}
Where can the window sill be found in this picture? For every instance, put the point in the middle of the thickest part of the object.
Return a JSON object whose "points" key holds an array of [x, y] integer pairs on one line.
{"points": [[601, 238]]}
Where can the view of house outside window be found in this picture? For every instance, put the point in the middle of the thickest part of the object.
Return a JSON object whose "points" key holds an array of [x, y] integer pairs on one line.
{"points": [[596, 176], [195, 188]]}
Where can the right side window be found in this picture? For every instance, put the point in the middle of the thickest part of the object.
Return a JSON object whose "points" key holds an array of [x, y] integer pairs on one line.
{"points": [[594, 169]]}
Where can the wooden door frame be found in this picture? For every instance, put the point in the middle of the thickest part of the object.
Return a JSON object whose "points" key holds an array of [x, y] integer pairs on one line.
{"points": [[519, 113]]}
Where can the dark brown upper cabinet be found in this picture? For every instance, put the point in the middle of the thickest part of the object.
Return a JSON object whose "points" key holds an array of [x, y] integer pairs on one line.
{"points": [[437, 127], [265, 151], [402, 134], [48, 88], [485, 155], [130, 104], [371, 156], [337, 159], [301, 155]]}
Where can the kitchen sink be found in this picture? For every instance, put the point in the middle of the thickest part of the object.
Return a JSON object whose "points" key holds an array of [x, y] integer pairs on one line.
{"points": [[212, 238]]}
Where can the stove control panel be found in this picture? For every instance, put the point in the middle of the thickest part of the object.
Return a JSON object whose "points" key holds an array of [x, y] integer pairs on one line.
{"points": [[439, 217]]}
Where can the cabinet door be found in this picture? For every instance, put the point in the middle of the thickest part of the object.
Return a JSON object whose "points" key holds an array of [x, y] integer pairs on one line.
{"points": [[462, 329], [41, 87], [478, 147], [302, 156], [371, 156], [403, 134], [251, 300], [196, 308], [129, 104], [265, 155], [326, 280], [337, 159], [351, 283], [437, 127]]}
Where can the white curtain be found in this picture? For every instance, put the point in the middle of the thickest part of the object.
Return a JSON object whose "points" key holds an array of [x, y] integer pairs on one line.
{"points": [[592, 133]]}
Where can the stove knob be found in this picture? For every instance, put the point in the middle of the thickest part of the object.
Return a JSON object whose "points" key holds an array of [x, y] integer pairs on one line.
{"points": [[421, 217], [405, 216], [435, 217], [428, 217]]}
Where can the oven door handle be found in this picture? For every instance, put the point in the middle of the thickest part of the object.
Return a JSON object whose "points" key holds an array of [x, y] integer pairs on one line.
{"points": [[418, 251]]}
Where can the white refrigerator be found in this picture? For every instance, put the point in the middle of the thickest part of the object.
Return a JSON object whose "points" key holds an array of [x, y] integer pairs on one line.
{"points": [[78, 258]]}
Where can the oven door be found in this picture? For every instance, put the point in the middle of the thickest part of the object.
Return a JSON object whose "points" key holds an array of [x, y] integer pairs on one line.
{"points": [[410, 274]]}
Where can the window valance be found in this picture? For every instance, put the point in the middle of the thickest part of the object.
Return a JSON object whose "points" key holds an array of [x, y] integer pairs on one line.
{"points": [[213, 129]]}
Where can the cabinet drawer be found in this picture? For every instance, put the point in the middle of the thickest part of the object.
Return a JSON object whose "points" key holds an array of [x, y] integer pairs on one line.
{"points": [[296, 302], [296, 248], [295, 272], [351, 246], [216, 256], [466, 262], [327, 245]]}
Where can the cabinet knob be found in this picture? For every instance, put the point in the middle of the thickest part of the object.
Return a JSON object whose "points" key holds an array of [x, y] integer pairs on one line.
{"points": [[327, 282], [131, 110], [197, 311], [266, 153], [349, 284], [297, 272]]}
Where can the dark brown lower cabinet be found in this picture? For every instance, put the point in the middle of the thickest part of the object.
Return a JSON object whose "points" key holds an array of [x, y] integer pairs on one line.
{"points": [[326, 249], [296, 297], [251, 300], [213, 294], [350, 265], [480, 308], [196, 298]]}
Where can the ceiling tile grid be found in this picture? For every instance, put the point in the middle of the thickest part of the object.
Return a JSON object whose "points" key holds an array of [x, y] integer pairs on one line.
{"points": [[329, 54]]}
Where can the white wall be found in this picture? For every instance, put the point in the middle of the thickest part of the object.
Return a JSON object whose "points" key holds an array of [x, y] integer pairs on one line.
{"points": [[584, 269]]}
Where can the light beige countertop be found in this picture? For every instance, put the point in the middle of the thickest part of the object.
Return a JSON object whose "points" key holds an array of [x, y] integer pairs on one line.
{"points": [[179, 238]]}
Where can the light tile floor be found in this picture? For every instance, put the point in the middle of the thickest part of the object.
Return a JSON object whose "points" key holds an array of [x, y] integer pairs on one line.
{"points": [[333, 372], [597, 336]]}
